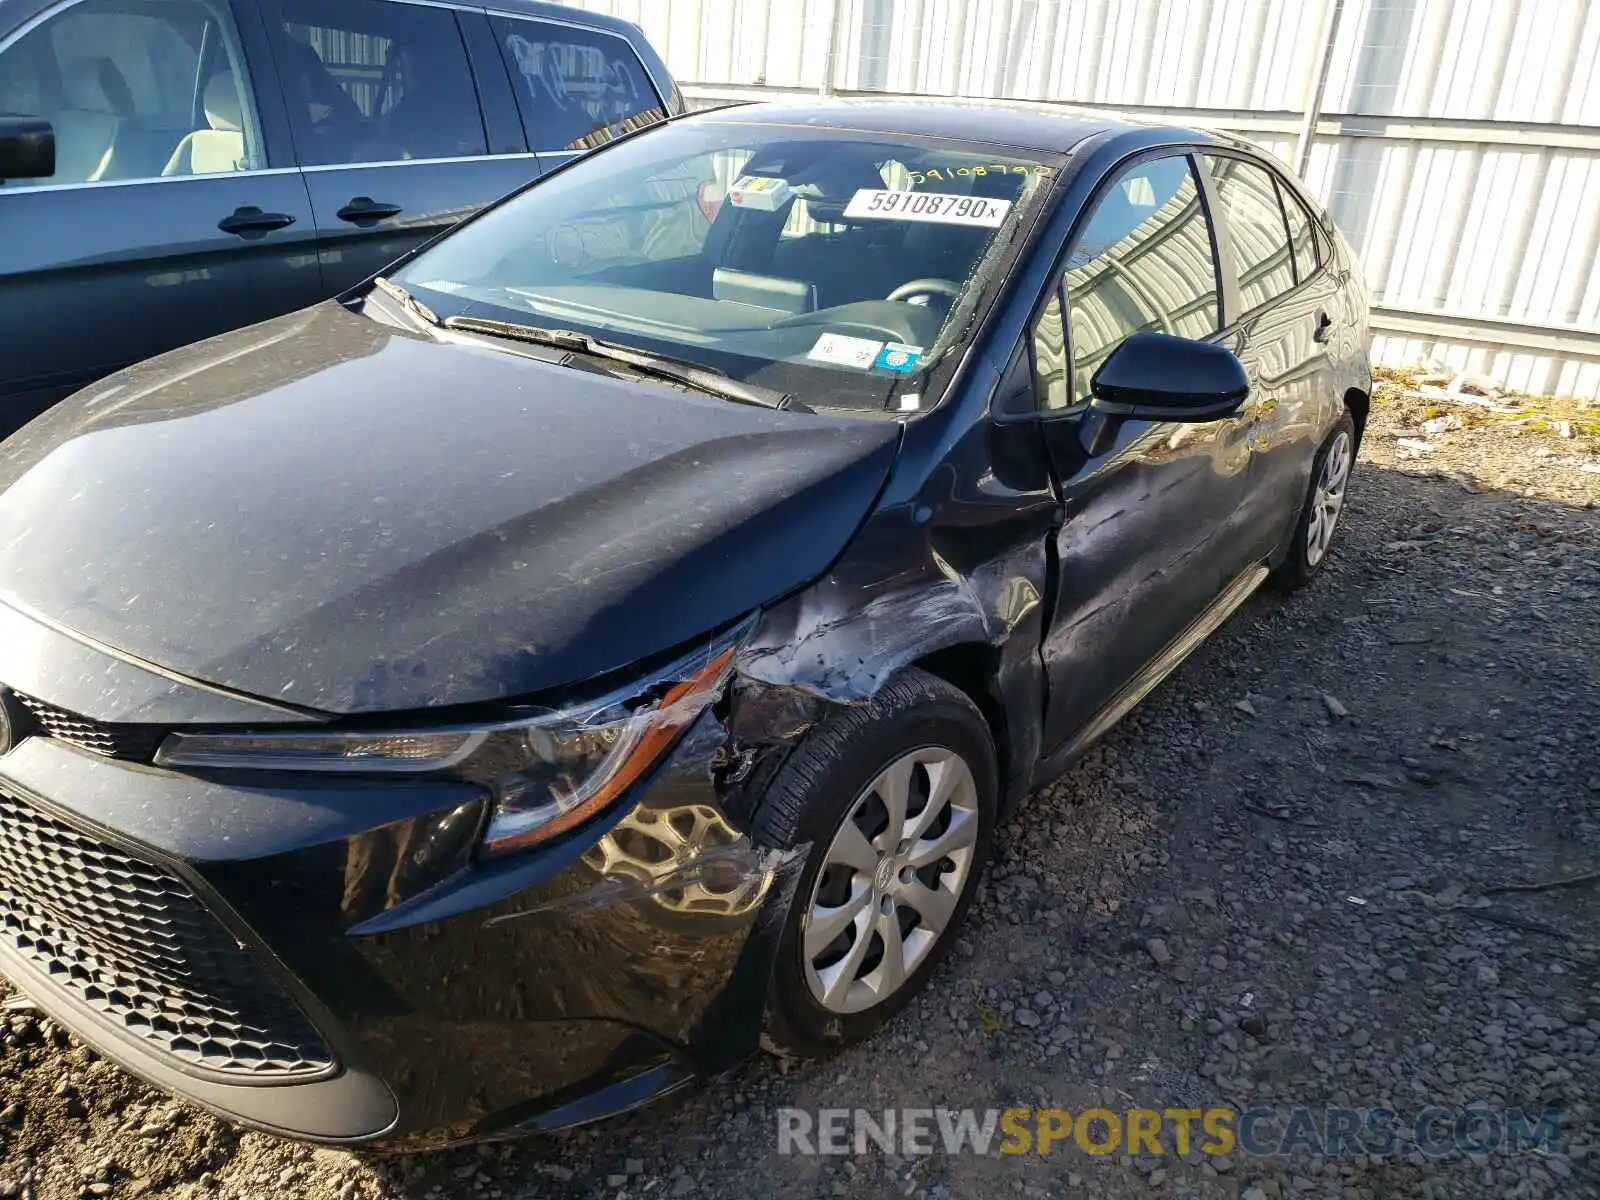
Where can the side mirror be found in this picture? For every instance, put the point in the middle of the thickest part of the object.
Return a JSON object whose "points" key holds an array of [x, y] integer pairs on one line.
{"points": [[27, 148], [1154, 377]]}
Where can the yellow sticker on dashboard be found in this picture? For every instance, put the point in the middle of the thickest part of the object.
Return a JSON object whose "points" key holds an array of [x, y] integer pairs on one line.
{"points": [[765, 193]]}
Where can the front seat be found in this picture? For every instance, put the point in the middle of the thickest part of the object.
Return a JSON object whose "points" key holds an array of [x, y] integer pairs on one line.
{"points": [[335, 123], [97, 100], [220, 148]]}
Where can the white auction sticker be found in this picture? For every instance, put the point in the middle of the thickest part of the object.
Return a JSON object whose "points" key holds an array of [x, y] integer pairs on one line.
{"points": [[845, 351], [927, 206]]}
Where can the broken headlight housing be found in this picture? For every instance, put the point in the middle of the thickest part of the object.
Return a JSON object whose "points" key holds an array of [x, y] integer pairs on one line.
{"points": [[549, 771]]}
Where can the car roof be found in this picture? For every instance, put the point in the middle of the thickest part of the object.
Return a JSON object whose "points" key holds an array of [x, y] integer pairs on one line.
{"points": [[1012, 126], [563, 12]]}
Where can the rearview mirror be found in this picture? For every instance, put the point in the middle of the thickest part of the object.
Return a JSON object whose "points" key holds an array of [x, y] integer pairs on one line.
{"points": [[1155, 377], [27, 148]]}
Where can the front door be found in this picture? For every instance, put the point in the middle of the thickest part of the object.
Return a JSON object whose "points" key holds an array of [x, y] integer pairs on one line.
{"points": [[388, 126], [163, 223], [1150, 529]]}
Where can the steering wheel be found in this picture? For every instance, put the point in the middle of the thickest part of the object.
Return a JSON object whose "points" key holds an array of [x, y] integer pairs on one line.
{"points": [[930, 286]]}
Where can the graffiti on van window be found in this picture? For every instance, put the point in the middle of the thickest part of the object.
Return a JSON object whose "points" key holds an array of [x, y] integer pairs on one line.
{"points": [[581, 96]]}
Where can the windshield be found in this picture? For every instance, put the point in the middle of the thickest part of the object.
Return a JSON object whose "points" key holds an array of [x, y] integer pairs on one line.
{"points": [[830, 264]]}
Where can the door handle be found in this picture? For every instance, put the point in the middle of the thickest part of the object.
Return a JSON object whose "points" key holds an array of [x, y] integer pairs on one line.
{"points": [[1324, 328], [249, 221], [364, 210]]}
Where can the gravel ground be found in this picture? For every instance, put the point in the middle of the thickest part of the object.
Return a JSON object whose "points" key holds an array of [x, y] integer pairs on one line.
{"points": [[1274, 883]]}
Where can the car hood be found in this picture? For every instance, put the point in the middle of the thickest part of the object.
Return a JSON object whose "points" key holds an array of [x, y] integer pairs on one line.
{"points": [[333, 513]]}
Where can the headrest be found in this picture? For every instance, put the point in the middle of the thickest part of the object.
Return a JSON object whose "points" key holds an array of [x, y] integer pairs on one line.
{"points": [[95, 85], [222, 103]]}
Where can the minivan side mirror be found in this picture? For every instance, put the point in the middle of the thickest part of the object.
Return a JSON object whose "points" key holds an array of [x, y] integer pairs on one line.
{"points": [[27, 148], [1156, 377]]}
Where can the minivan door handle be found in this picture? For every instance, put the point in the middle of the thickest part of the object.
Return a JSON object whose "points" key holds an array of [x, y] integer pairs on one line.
{"points": [[1324, 327], [364, 210], [249, 221]]}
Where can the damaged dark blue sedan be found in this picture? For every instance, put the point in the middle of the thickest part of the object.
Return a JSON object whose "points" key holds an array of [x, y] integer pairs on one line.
{"points": [[607, 641]]}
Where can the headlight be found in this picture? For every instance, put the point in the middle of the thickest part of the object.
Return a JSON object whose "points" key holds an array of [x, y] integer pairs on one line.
{"points": [[549, 772]]}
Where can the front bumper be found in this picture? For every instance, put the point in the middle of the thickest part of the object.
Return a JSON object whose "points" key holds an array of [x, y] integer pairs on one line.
{"points": [[179, 924]]}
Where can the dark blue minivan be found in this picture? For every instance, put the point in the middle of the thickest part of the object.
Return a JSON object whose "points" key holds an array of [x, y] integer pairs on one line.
{"points": [[170, 169]]}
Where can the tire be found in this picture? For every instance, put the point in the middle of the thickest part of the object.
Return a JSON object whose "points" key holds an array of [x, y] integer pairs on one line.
{"points": [[834, 776], [1313, 538]]}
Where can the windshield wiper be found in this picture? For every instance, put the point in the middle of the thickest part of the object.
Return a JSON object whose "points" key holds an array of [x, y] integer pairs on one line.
{"points": [[677, 370], [405, 299]]}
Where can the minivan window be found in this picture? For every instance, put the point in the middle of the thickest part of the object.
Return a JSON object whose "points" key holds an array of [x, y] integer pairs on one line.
{"points": [[576, 88], [135, 91], [1143, 261], [1300, 237], [374, 81], [1257, 235], [826, 262]]}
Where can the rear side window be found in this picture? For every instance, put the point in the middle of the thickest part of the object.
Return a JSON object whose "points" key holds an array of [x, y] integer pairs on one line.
{"points": [[1301, 239], [1257, 235], [370, 81], [576, 88], [1143, 261]]}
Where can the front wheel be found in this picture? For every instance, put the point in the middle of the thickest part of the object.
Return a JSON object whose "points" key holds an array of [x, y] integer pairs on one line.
{"points": [[1324, 504], [896, 800]]}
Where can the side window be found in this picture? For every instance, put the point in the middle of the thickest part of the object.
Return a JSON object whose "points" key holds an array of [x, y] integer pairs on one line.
{"points": [[374, 81], [1257, 236], [1143, 261], [1300, 237], [576, 88], [135, 91], [1050, 358]]}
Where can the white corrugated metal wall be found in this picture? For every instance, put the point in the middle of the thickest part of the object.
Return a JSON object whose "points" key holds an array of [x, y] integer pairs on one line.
{"points": [[1457, 142]]}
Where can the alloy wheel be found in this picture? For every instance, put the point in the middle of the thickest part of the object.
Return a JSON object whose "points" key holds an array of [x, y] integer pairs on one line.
{"points": [[1328, 498], [891, 880]]}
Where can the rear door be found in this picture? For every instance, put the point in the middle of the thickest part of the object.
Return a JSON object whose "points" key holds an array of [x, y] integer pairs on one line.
{"points": [[1149, 535], [1282, 332], [172, 215], [400, 130], [577, 87]]}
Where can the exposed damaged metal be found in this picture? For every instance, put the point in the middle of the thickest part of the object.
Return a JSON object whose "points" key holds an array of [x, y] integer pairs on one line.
{"points": [[548, 733]]}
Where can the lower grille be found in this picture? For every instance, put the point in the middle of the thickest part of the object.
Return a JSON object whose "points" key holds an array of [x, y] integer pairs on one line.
{"points": [[113, 741], [131, 941]]}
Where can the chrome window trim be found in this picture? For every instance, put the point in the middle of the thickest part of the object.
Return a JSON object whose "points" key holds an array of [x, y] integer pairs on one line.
{"points": [[320, 168], [33, 22], [38, 19], [19, 186]]}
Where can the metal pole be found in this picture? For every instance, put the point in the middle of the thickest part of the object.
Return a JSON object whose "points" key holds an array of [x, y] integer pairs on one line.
{"points": [[834, 9], [1322, 63]]}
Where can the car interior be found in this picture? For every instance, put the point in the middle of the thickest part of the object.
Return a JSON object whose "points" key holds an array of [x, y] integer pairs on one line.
{"points": [[381, 93], [220, 147], [126, 103], [764, 284]]}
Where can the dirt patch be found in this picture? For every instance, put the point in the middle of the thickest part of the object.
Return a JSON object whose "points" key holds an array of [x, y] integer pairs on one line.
{"points": [[1276, 883]]}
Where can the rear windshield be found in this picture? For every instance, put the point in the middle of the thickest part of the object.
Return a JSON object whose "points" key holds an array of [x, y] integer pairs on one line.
{"points": [[829, 263]]}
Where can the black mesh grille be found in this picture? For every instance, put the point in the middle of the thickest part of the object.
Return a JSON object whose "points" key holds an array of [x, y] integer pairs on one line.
{"points": [[131, 941], [114, 741]]}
